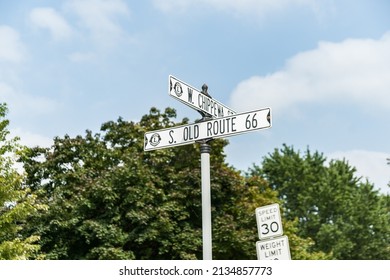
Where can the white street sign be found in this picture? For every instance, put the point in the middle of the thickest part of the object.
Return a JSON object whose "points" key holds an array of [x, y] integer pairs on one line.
{"points": [[273, 249], [197, 100], [269, 222], [215, 128]]}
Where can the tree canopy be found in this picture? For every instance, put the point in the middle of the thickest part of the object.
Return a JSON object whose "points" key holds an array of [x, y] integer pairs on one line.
{"points": [[343, 215], [108, 199], [17, 202]]}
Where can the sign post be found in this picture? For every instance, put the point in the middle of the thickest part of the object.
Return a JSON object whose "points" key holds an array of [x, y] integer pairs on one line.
{"points": [[206, 200], [217, 121], [205, 149]]}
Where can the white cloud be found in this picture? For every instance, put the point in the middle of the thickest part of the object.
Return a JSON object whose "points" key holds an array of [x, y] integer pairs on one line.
{"points": [[24, 104], [258, 8], [100, 17], [30, 139], [370, 165], [13, 51], [48, 18], [354, 70], [11, 47]]}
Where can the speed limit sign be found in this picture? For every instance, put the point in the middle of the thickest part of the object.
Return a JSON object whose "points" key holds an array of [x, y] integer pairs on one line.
{"points": [[269, 222]]}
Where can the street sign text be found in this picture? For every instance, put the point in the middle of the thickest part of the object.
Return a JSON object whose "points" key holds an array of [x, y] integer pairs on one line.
{"points": [[197, 100], [273, 249], [215, 128]]}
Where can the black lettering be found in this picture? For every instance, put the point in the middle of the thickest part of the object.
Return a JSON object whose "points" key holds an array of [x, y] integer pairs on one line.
{"points": [[170, 135], [209, 127], [200, 101], [185, 134], [233, 124], [215, 127], [274, 228], [220, 111], [191, 132], [228, 125], [222, 127], [196, 131], [212, 107], [190, 91]]}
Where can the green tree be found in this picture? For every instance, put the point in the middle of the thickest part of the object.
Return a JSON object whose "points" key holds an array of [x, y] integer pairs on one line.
{"points": [[108, 199], [16, 200], [341, 214]]}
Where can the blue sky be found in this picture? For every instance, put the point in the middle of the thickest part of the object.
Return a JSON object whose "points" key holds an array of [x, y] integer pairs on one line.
{"points": [[322, 66]]}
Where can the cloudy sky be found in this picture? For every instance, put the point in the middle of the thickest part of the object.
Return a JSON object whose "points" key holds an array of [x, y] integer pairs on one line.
{"points": [[322, 66]]}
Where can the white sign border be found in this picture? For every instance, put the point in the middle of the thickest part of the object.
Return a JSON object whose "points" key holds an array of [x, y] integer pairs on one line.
{"points": [[279, 219]]}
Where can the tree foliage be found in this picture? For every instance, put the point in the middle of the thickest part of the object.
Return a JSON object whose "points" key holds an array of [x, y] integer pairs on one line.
{"points": [[342, 214], [108, 199], [16, 200]]}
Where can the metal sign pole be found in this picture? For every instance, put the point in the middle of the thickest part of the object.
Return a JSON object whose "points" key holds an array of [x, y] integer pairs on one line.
{"points": [[205, 149], [206, 201]]}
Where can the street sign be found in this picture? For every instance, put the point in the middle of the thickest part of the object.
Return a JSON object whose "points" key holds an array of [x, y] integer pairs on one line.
{"points": [[215, 128], [273, 249], [197, 100], [269, 222]]}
